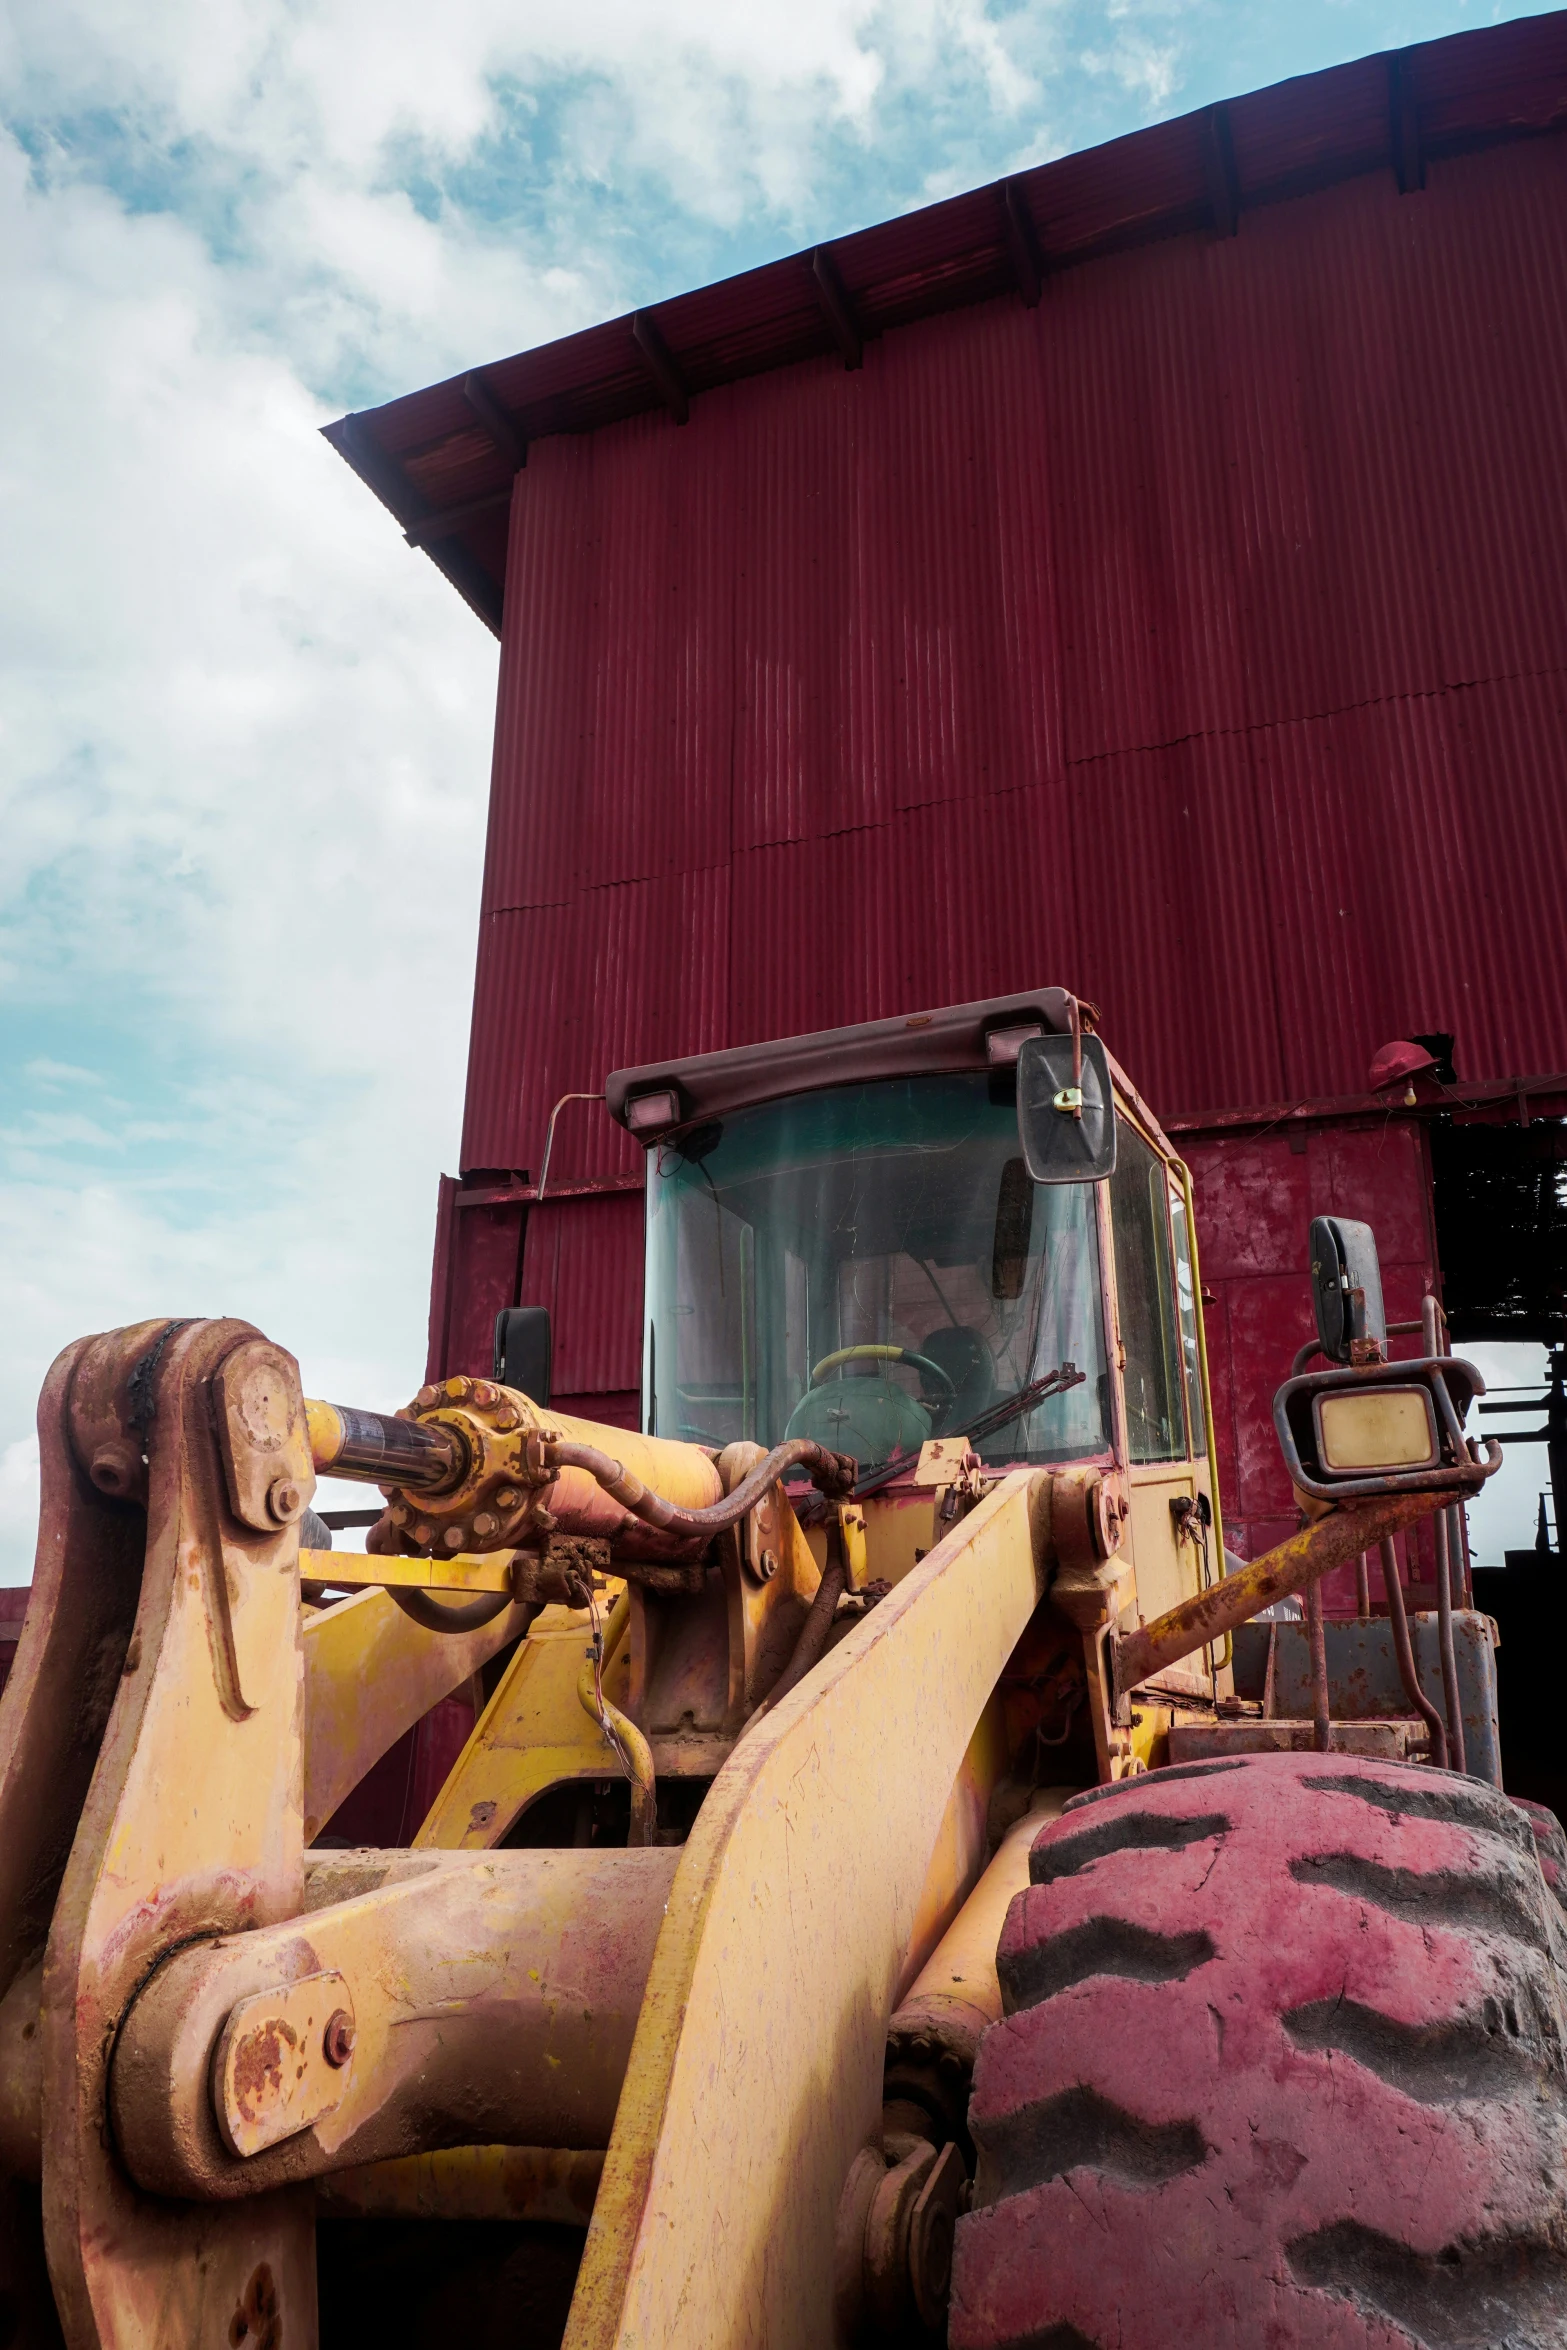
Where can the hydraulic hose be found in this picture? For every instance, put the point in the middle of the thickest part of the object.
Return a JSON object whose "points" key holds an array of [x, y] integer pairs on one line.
{"points": [[831, 1472], [813, 1635], [465, 1615], [635, 1754]]}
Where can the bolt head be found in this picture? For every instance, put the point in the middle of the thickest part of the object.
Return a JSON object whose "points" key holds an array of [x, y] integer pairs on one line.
{"points": [[486, 1392], [285, 1500], [116, 1468], [453, 1538], [337, 2041], [507, 1500], [485, 1525], [457, 1390], [768, 1565], [423, 1535], [426, 1398]]}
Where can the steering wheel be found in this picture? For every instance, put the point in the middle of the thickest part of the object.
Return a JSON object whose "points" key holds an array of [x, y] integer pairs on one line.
{"points": [[886, 1354]]}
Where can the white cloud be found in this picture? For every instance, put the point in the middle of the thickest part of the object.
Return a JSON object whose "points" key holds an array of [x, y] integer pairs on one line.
{"points": [[18, 1508]]}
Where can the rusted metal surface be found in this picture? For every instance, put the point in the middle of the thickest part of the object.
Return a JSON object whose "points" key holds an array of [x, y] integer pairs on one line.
{"points": [[1321, 1701], [831, 1472], [280, 2061], [555, 2185], [494, 1997], [207, 1689], [1447, 1382], [688, 2165], [1325, 1544], [1434, 1340], [511, 1478], [1379, 1741], [1365, 1679]]}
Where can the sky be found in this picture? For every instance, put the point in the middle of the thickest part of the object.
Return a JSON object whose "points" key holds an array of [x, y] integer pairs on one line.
{"points": [[244, 731]]}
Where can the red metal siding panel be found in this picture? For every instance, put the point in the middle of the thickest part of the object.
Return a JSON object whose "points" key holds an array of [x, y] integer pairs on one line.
{"points": [[1196, 639], [806, 759], [583, 1260], [1185, 971], [1480, 309], [567, 993], [1332, 570], [1178, 505], [1506, 930], [1149, 631], [1256, 1196], [485, 1246]]}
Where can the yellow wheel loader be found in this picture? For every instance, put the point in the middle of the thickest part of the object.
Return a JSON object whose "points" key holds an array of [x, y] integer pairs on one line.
{"points": [[875, 1905]]}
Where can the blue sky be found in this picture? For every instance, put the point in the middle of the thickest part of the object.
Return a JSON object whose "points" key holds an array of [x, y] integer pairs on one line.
{"points": [[244, 733]]}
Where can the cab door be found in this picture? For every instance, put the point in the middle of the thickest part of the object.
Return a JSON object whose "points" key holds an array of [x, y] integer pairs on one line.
{"points": [[1176, 1540]]}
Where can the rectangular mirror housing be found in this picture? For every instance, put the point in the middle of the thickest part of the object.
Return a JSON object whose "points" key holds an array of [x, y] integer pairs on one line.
{"points": [[522, 1351], [1065, 1121], [1346, 1288]]}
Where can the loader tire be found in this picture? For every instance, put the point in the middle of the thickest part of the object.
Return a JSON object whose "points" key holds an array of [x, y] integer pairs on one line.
{"points": [[1281, 2068]]}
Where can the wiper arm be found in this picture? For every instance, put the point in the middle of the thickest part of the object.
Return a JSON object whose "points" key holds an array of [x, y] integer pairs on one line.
{"points": [[1013, 1407], [1000, 1415]]}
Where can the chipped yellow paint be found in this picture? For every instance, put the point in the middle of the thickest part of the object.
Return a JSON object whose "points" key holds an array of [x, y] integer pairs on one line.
{"points": [[756, 2073], [371, 1672], [532, 1733]]}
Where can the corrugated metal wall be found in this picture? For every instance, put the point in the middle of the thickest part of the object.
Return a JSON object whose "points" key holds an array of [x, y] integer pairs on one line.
{"points": [[1256, 1196], [1197, 639]]}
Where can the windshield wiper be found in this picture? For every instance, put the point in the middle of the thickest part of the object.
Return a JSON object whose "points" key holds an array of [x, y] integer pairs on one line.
{"points": [[1000, 1415], [1013, 1407]]}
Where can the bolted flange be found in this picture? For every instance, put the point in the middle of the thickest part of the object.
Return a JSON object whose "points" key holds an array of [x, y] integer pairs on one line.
{"points": [[893, 2253]]}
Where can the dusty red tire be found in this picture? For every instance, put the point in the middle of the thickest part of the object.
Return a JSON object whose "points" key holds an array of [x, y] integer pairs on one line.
{"points": [[1282, 2066]]}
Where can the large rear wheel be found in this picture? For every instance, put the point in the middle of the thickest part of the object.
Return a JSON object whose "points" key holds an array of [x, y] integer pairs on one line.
{"points": [[1282, 2065]]}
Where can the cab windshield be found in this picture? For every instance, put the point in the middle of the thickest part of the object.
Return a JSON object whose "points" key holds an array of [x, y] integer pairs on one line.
{"points": [[870, 1266]]}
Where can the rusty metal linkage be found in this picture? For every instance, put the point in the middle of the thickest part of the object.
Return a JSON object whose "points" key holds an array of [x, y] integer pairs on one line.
{"points": [[1321, 1698], [1434, 1339], [1328, 1542]]}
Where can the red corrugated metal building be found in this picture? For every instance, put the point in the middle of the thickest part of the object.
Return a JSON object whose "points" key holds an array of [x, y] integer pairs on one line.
{"points": [[1149, 575]]}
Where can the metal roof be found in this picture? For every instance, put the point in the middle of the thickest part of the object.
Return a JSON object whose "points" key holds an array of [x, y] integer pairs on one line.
{"points": [[444, 460]]}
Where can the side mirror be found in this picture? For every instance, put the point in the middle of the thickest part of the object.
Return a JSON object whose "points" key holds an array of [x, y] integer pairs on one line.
{"points": [[522, 1351], [1346, 1287], [1066, 1125]]}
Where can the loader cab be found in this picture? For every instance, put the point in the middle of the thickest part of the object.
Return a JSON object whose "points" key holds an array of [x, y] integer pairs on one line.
{"points": [[857, 1237]]}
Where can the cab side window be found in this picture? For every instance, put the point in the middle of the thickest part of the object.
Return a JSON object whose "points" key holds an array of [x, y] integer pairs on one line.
{"points": [[1145, 1286], [1186, 1306]]}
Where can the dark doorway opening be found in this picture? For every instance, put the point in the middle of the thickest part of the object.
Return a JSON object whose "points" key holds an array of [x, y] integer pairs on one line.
{"points": [[1501, 1219], [1501, 1228]]}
